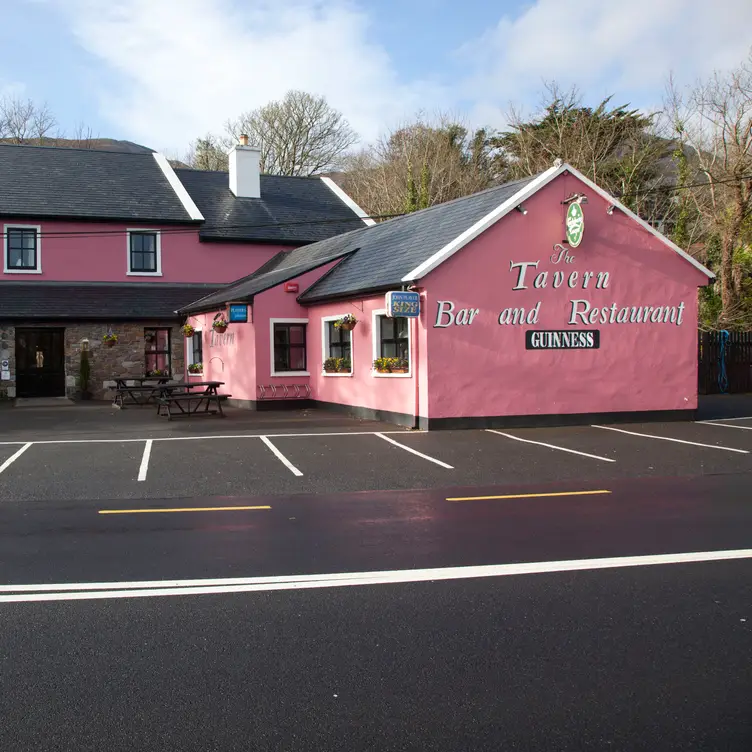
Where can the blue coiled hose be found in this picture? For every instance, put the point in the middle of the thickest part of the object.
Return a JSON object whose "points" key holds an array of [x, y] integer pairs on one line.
{"points": [[722, 375]]}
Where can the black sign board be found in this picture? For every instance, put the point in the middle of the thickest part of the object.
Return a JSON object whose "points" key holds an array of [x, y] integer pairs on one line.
{"points": [[566, 339]]}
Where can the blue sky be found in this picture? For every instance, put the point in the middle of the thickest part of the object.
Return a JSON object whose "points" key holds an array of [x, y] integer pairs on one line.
{"points": [[161, 72]]}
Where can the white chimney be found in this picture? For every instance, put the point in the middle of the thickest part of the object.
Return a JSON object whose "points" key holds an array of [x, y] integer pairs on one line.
{"points": [[245, 170]]}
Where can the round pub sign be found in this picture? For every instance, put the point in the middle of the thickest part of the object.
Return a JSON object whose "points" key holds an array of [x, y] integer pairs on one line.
{"points": [[575, 224]]}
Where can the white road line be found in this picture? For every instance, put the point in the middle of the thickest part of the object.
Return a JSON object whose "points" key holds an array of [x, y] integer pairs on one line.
{"points": [[14, 457], [87, 591], [551, 446], [748, 417], [723, 425], [676, 441], [145, 460], [415, 452], [281, 457]]}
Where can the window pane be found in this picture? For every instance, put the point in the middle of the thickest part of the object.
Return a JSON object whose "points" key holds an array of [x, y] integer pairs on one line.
{"points": [[280, 359], [22, 249], [334, 333], [297, 359], [163, 339], [280, 334], [388, 350], [400, 326], [297, 334]]}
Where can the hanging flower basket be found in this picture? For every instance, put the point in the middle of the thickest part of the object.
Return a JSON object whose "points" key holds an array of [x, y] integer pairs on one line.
{"points": [[220, 325], [346, 322], [188, 330], [110, 339]]}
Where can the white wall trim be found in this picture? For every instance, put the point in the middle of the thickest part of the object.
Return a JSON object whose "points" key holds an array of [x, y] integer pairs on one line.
{"points": [[15, 226], [376, 350], [137, 230], [345, 199], [522, 195], [325, 346], [272, 322], [178, 187]]}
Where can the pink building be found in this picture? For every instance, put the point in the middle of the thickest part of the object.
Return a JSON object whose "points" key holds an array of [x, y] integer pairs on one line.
{"points": [[113, 242], [543, 300]]}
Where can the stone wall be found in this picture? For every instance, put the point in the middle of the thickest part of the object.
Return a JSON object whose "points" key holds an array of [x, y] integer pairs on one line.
{"points": [[8, 352], [126, 358]]}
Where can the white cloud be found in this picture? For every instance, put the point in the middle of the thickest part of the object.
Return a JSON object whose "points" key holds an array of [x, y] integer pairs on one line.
{"points": [[185, 66], [626, 49]]}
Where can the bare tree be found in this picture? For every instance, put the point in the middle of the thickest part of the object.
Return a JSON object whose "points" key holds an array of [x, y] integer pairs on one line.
{"points": [[22, 121], [298, 135], [207, 153], [713, 119]]}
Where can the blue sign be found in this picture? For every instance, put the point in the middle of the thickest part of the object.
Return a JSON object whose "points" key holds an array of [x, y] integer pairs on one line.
{"points": [[403, 305], [239, 312]]}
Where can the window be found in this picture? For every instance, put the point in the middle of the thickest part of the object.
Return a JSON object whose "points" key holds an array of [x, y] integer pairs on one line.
{"points": [[157, 355], [144, 252], [195, 349], [393, 338], [22, 249], [289, 347], [340, 341], [336, 343]]}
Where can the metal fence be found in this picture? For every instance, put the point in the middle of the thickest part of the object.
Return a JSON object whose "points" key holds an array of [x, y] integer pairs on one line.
{"points": [[725, 362]]}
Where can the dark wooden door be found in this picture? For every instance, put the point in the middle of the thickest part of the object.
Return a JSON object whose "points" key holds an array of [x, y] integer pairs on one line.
{"points": [[40, 362]]}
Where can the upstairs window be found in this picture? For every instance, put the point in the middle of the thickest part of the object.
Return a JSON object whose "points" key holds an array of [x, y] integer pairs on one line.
{"points": [[22, 249], [144, 252]]}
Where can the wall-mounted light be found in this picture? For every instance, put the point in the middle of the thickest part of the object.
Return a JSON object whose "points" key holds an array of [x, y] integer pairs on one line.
{"points": [[521, 209], [579, 198], [610, 209], [85, 345]]}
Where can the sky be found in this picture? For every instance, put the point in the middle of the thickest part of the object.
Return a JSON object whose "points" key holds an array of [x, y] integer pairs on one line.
{"points": [[163, 72]]}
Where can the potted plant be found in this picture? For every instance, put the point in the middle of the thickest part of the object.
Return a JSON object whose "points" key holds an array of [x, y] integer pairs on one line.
{"points": [[330, 365], [157, 372], [110, 339], [85, 375], [401, 366], [346, 322], [344, 365], [382, 365], [188, 330], [195, 368], [220, 325], [391, 365]]}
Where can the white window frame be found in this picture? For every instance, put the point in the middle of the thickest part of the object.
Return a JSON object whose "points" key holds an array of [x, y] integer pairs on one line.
{"points": [[141, 231], [282, 374], [10, 270], [325, 346], [189, 351], [376, 340]]}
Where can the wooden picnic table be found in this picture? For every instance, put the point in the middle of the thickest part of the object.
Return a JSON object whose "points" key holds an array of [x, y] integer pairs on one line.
{"points": [[188, 397], [139, 394]]}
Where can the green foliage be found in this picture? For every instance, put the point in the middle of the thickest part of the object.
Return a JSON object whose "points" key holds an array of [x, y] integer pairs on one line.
{"points": [[411, 197], [387, 365], [337, 365]]}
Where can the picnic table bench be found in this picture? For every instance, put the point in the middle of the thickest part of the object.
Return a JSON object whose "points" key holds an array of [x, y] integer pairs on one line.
{"points": [[188, 400], [140, 393]]}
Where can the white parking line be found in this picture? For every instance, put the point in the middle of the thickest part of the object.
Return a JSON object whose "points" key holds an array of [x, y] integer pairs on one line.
{"points": [[281, 457], [676, 441], [14, 457], [723, 425], [145, 461], [551, 446], [415, 452], [108, 590], [748, 417]]}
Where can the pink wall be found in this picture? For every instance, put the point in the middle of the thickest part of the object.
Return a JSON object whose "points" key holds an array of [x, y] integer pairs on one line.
{"points": [[104, 258], [363, 389], [483, 368]]}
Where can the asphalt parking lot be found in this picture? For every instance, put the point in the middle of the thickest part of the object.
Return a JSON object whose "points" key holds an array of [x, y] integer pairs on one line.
{"points": [[104, 457]]}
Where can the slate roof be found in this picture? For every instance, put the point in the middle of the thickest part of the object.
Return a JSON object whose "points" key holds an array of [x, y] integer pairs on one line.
{"points": [[284, 266], [45, 181], [390, 250], [291, 210], [57, 301]]}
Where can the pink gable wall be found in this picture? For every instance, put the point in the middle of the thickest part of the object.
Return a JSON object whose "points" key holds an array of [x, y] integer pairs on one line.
{"points": [[483, 368], [77, 255]]}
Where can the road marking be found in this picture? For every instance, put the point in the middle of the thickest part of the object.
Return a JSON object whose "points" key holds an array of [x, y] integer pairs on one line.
{"points": [[551, 446], [676, 441], [723, 425], [714, 419], [145, 460], [109, 590], [415, 452], [178, 509], [528, 495], [281, 457], [14, 457]]}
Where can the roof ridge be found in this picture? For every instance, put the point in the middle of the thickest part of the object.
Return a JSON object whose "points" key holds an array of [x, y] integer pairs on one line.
{"points": [[263, 174], [147, 153]]}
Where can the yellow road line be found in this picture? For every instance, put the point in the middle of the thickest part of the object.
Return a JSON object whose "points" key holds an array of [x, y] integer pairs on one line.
{"points": [[178, 509], [529, 496]]}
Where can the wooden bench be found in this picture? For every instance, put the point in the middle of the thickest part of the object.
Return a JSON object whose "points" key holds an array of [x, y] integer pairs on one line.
{"points": [[139, 395], [182, 399]]}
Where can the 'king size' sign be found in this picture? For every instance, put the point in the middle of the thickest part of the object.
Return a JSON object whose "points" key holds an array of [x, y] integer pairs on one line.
{"points": [[582, 339]]}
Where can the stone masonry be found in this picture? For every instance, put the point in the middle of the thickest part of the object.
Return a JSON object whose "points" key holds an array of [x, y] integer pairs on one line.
{"points": [[126, 358]]}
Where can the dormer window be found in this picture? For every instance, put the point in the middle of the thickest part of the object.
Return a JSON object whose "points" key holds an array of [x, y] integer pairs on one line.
{"points": [[22, 249], [144, 253]]}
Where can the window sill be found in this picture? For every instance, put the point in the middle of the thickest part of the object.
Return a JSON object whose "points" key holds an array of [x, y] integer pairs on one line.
{"points": [[192, 375], [22, 271], [346, 375], [277, 375], [143, 274], [378, 375]]}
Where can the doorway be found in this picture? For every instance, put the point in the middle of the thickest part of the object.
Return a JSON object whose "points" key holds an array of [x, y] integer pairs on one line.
{"points": [[40, 362]]}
